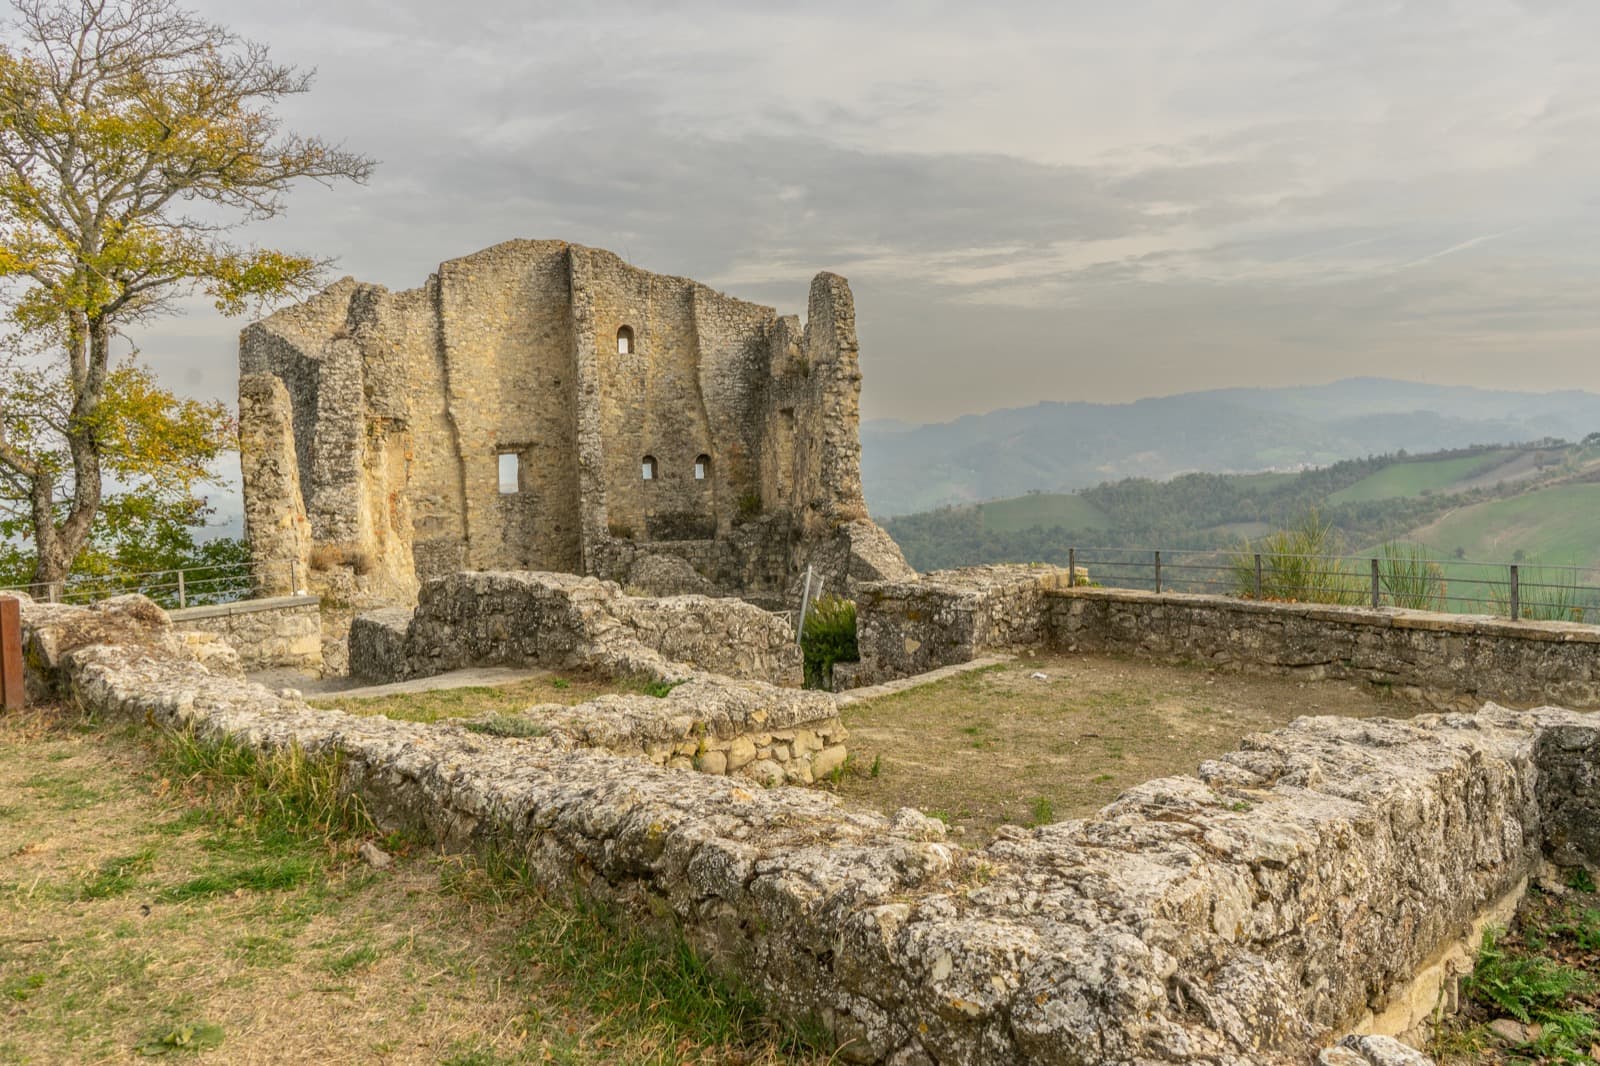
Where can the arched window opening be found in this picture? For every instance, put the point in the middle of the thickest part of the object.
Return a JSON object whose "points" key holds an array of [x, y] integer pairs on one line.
{"points": [[625, 340], [648, 468], [702, 467]]}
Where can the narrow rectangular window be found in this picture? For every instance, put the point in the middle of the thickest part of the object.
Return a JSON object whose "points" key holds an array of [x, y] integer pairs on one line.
{"points": [[510, 469]]}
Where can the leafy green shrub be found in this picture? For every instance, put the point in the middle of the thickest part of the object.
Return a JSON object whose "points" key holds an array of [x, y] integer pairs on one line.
{"points": [[750, 505], [1409, 580], [1298, 564], [829, 637]]}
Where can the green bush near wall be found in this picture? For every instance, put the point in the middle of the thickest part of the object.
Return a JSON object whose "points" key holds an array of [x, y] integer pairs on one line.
{"points": [[829, 637]]}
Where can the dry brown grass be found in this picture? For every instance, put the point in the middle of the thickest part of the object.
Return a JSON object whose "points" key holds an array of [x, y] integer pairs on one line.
{"points": [[477, 700], [131, 904], [997, 746]]}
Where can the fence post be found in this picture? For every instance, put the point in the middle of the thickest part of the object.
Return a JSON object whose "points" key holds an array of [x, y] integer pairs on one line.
{"points": [[183, 595], [1258, 575], [1377, 600], [805, 598], [53, 591], [1158, 571], [1516, 594], [1072, 568], [12, 693]]}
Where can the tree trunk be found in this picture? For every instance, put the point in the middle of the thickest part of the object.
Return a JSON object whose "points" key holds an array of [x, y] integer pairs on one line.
{"points": [[58, 545]]}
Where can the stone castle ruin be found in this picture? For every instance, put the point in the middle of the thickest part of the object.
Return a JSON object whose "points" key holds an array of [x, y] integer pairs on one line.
{"points": [[524, 462], [540, 405]]}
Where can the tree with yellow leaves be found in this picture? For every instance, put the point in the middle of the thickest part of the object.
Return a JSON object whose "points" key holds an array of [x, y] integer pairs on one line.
{"points": [[134, 138]]}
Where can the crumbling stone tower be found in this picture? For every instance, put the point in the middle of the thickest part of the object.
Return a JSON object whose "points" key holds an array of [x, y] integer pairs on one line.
{"points": [[540, 405]]}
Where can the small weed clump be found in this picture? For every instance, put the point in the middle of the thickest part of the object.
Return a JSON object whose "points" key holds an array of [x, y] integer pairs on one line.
{"points": [[1298, 565], [285, 790], [829, 637], [1409, 580]]}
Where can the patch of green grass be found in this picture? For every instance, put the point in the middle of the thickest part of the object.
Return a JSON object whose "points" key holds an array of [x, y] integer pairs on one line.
{"points": [[1044, 812], [658, 689], [1414, 477], [272, 876], [357, 957], [262, 950], [1045, 509], [115, 876], [18, 989], [287, 790], [66, 791]]}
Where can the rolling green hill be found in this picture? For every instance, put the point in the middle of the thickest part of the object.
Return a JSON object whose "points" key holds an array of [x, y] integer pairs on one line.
{"points": [[1555, 526], [1535, 503], [1061, 510], [1417, 476]]}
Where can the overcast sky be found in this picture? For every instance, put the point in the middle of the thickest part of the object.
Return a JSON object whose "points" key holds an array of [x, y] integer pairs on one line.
{"points": [[1032, 201]]}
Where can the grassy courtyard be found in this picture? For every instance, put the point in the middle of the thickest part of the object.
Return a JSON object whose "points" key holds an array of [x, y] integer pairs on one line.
{"points": [[1001, 746]]}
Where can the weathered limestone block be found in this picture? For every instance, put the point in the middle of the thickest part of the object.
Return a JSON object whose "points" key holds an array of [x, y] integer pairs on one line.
{"points": [[951, 616], [563, 621], [274, 509], [667, 575], [1569, 760], [283, 631]]}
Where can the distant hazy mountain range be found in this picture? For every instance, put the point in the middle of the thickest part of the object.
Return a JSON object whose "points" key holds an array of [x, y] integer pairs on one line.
{"points": [[1066, 446]]}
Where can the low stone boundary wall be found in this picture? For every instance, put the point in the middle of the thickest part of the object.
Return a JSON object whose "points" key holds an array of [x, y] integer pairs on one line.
{"points": [[947, 617], [1446, 659], [563, 621], [1287, 893], [772, 735], [278, 631]]}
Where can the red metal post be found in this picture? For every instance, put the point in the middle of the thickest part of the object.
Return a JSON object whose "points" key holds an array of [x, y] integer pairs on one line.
{"points": [[12, 694]]}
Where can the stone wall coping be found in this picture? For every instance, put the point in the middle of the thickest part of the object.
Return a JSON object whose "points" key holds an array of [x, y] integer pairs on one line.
{"points": [[225, 610], [1381, 618]]}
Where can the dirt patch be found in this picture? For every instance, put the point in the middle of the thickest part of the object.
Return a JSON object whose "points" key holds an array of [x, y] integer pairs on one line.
{"points": [[1004, 746]]}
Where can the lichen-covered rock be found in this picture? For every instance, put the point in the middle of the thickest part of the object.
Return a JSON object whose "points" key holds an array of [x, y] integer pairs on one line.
{"points": [[949, 616], [1453, 662], [563, 621], [1373, 1051], [667, 575]]}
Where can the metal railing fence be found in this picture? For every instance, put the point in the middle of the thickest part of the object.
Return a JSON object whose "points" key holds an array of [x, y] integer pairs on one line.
{"points": [[1532, 591], [194, 586]]}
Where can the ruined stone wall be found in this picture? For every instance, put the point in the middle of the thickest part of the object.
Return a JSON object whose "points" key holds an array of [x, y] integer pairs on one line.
{"points": [[947, 617], [284, 631], [1448, 660], [401, 404], [1251, 913], [565, 621]]}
